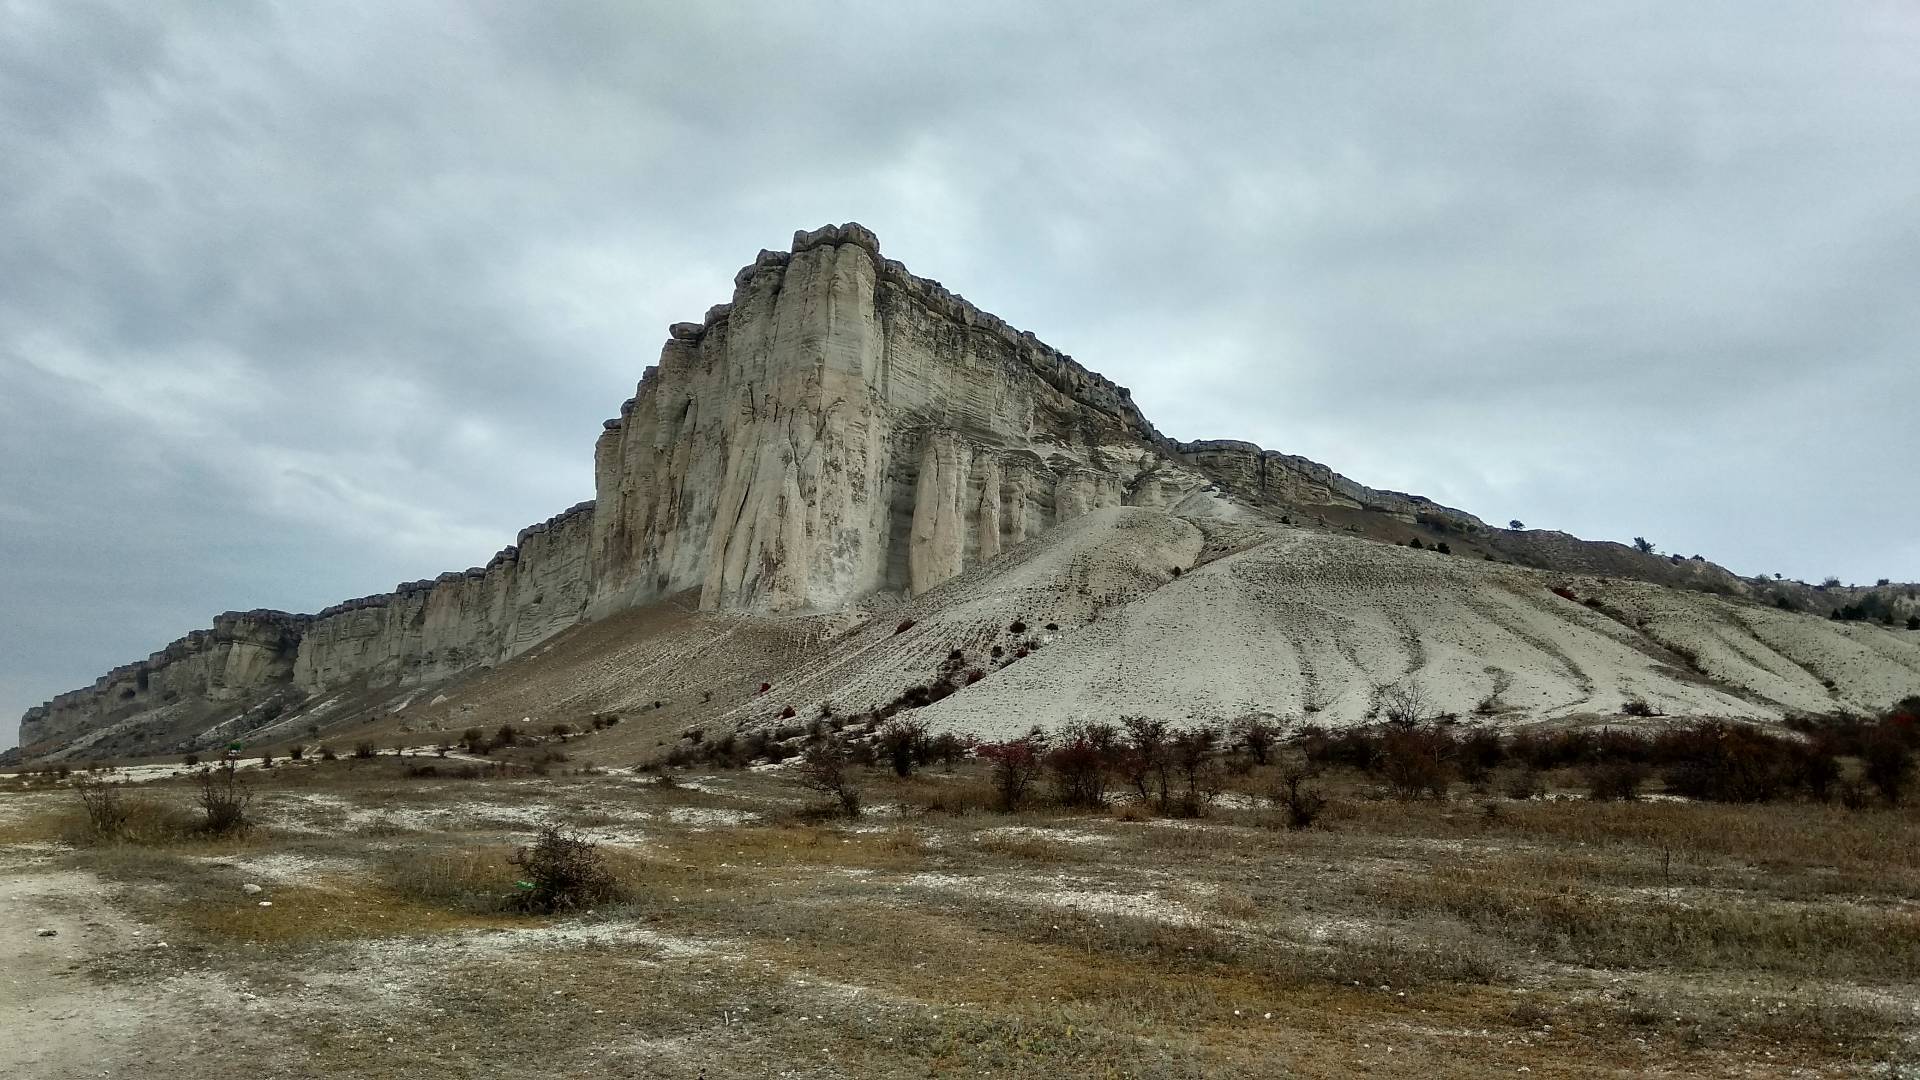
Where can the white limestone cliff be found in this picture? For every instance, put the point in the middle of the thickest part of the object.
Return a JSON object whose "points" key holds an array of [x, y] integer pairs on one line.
{"points": [[420, 631], [841, 428]]}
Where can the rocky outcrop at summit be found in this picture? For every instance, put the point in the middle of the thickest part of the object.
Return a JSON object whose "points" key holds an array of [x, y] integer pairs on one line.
{"points": [[1287, 481], [1270, 477]]}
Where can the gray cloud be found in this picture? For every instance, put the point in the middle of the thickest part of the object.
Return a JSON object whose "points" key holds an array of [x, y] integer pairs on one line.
{"points": [[300, 301]]}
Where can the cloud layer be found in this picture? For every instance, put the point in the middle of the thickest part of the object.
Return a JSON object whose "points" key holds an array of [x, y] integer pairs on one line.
{"points": [[299, 301]]}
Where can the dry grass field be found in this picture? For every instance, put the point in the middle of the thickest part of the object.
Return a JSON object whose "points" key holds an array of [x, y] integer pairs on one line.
{"points": [[1469, 936]]}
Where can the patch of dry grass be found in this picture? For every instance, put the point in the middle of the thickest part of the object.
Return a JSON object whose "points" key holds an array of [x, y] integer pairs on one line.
{"points": [[1114, 999], [965, 793], [1575, 922], [324, 910], [149, 821], [897, 848], [43, 827], [1876, 841], [1028, 848], [1234, 904], [476, 880]]}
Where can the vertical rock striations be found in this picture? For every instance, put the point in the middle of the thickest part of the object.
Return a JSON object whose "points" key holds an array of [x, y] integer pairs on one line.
{"points": [[840, 428], [426, 630], [843, 428]]}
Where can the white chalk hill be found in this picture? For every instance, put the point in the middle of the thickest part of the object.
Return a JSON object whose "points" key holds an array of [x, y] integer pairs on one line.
{"points": [[1307, 624]]}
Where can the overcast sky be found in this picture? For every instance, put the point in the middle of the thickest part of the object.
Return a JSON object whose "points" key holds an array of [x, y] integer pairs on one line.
{"points": [[298, 301]]}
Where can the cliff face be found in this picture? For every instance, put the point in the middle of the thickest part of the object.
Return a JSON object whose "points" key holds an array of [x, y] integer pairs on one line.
{"points": [[840, 428], [431, 629], [421, 631], [242, 652]]}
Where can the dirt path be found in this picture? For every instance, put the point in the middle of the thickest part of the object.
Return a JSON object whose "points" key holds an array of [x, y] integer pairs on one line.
{"points": [[55, 1019]]}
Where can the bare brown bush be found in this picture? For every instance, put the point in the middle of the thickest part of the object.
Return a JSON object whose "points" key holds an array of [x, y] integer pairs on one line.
{"points": [[562, 873], [903, 743], [1615, 781], [1302, 804], [1256, 734], [1078, 762], [1403, 704], [1013, 766], [825, 768], [106, 812], [223, 797], [1416, 762]]}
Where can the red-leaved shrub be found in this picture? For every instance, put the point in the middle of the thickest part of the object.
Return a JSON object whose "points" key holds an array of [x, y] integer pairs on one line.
{"points": [[1013, 766]]}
